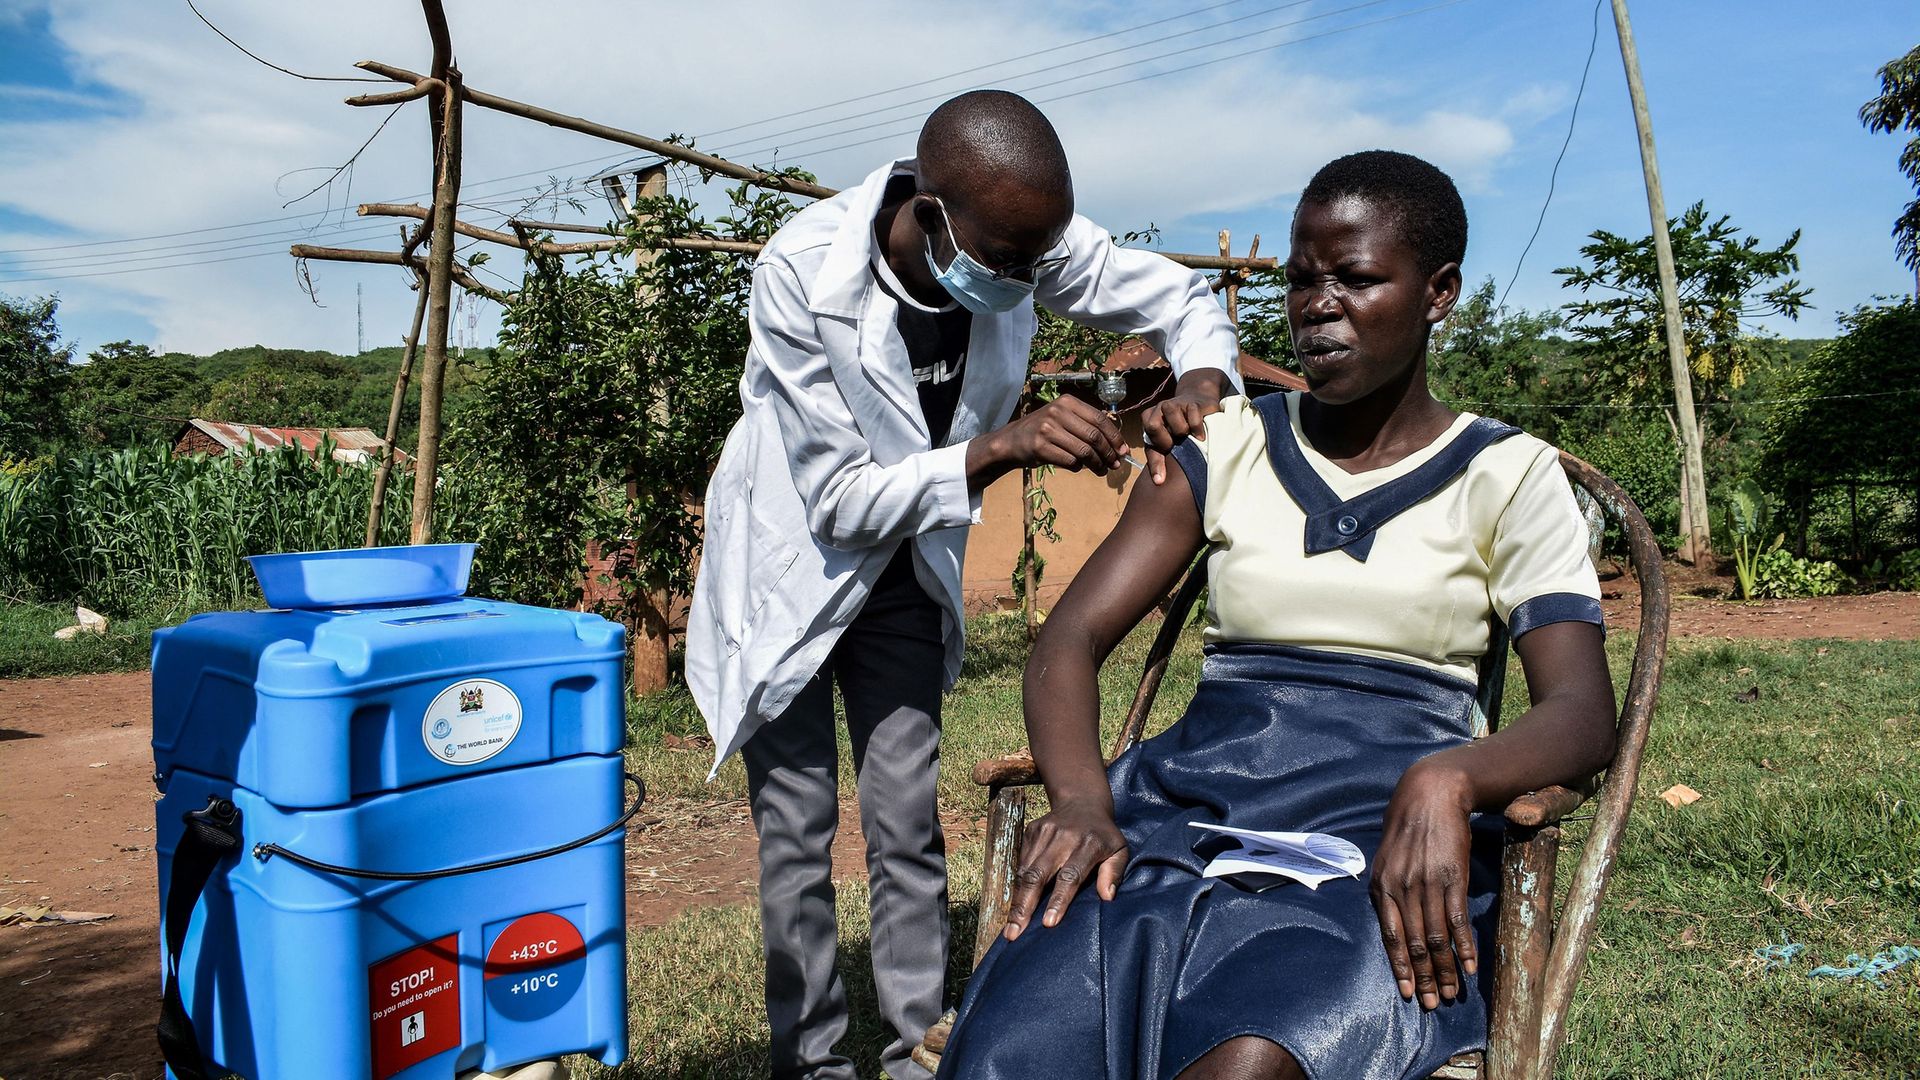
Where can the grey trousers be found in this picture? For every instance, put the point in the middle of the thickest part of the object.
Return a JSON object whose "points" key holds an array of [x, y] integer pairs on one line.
{"points": [[889, 668]]}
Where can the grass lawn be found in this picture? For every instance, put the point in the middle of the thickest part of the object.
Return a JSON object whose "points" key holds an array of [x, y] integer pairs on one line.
{"points": [[1809, 829], [28, 648]]}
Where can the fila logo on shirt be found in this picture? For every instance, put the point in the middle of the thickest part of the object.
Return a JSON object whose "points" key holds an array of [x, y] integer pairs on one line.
{"points": [[937, 373]]}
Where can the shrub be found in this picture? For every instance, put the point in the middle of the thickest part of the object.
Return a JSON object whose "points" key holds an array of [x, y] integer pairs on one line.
{"points": [[1904, 574], [1782, 574], [1641, 456]]}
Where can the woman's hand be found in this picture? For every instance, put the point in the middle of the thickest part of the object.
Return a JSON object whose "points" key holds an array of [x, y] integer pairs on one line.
{"points": [[1076, 840], [1420, 883]]}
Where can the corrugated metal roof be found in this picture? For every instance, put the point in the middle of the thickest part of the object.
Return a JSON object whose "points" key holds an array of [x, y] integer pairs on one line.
{"points": [[349, 444]]}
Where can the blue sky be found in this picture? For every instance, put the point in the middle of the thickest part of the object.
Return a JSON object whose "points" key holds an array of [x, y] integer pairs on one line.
{"points": [[123, 119]]}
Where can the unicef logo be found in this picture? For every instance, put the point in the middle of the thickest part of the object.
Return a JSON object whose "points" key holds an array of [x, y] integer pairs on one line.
{"points": [[441, 728]]}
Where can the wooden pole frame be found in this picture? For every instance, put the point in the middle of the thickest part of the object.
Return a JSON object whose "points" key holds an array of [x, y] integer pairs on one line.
{"points": [[385, 470], [447, 94], [439, 285]]}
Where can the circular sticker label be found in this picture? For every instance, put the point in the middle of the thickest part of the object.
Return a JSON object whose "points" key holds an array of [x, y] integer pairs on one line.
{"points": [[470, 721], [535, 966]]}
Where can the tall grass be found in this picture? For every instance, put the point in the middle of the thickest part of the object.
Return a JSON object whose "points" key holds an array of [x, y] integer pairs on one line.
{"points": [[141, 530]]}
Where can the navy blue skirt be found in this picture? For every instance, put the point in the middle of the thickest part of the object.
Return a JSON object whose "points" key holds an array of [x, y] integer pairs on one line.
{"points": [[1176, 964]]}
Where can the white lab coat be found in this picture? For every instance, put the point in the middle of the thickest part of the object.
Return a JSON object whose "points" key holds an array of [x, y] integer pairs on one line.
{"points": [[830, 467]]}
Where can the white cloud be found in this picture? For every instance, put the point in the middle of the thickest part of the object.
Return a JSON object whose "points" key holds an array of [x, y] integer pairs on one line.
{"points": [[214, 138]]}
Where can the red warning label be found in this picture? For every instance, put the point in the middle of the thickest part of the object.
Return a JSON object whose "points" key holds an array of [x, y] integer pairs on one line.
{"points": [[540, 940], [414, 1000]]}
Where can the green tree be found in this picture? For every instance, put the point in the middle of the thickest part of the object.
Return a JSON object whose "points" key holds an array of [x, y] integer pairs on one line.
{"points": [[1848, 412], [34, 367], [1499, 363], [602, 415], [1725, 281], [1898, 109], [284, 392], [1263, 318], [125, 394]]}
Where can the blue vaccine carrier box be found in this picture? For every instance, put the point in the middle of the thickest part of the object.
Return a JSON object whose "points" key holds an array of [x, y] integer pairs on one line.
{"points": [[402, 784]]}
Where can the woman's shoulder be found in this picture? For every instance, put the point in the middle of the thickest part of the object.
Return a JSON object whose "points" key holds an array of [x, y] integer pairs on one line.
{"points": [[1513, 454], [1239, 426]]}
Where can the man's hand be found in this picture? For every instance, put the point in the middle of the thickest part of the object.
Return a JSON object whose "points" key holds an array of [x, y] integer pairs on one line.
{"points": [[1420, 885], [1065, 432], [1078, 840], [1195, 397]]}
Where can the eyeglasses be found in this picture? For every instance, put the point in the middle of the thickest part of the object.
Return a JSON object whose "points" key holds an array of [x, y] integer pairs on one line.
{"points": [[1026, 271]]}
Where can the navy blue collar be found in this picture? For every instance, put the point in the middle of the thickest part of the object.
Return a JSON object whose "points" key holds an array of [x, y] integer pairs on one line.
{"points": [[1333, 524]]}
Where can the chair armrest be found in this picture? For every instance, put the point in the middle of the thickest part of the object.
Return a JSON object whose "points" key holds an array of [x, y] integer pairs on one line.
{"points": [[1011, 770], [1544, 807]]}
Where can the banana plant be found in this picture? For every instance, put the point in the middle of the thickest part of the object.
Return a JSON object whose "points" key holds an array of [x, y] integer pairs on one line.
{"points": [[1749, 519]]}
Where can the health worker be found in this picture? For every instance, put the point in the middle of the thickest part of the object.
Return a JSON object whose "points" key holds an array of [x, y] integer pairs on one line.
{"points": [[890, 334]]}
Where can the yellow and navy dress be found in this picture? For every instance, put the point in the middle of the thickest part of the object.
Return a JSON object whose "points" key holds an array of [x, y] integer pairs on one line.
{"points": [[1346, 616]]}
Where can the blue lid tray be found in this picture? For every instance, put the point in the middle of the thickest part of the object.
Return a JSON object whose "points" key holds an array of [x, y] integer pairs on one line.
{"points": [[357, 576]]}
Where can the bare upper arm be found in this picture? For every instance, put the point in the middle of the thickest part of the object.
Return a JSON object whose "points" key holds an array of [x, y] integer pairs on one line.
{"points": [[1133, 568]]}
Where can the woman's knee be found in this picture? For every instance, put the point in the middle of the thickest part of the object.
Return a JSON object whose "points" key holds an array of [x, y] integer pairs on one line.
{"points": [[1248, 1057]]}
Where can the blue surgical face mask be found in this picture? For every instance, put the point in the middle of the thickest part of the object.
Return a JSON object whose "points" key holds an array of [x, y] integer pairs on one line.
{"points": [[975, 287]]}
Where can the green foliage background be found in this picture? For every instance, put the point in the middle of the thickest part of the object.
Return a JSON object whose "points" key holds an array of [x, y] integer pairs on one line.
{"points": [[602, 415], [142, 531]]}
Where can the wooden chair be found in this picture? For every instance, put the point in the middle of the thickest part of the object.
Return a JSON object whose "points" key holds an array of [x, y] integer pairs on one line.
{"points": [[1538, 952]]}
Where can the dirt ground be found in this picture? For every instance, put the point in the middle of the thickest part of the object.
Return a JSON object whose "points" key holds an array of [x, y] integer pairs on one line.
{"points": [[1699, 611], [76, 834]]}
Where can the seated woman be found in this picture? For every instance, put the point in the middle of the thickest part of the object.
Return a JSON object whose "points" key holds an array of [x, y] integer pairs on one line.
{"points": [[1362, 537]]}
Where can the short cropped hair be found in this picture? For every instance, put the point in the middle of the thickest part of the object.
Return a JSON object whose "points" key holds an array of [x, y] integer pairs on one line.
{"points": [[1422, 199], [986, 135]]}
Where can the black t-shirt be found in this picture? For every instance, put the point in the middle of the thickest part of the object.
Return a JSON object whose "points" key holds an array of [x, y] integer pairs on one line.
{"points": [[936, 341], [936, 346]]}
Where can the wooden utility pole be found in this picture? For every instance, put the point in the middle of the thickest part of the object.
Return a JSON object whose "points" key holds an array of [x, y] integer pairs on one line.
{"points": [[446, 197], [1693, 480]]}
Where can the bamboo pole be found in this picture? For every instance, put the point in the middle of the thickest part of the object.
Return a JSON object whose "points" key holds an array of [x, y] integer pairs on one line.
{"points": [[478, 232], [394, 258], [707, 162], [1693, 492], [1230, 280], [381, 474], [702, 243], [394, 97], [446, 195], [718, 165]]}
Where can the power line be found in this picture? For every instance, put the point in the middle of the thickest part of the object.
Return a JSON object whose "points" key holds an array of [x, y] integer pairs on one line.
{"points": [[1703, 404], [332, 231], [1554, 177], [605, 157], [361, 231], [977, 68], [945, 94], [315, 232], [600, 159], [1160, 74], [271, 64], [142, 269]]}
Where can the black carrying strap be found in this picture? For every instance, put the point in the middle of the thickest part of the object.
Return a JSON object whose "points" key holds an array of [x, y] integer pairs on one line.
{"points": [[263, 852], [211, 835]]}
